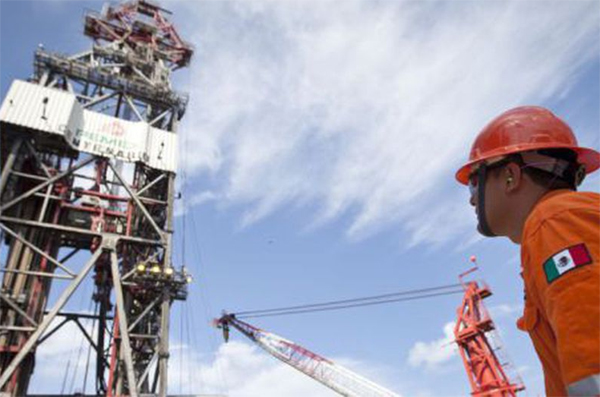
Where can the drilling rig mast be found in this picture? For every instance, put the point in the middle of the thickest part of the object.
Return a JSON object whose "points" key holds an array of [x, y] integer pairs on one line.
{"points": [[473, 332], [89, 156]]}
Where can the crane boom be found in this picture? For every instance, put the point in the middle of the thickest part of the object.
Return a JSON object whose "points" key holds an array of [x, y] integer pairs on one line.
{"points": [[474, 332], [328, 373]]}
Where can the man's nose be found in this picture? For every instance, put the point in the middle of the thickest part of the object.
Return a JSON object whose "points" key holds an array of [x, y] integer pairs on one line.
{"points": [[472, 200]]}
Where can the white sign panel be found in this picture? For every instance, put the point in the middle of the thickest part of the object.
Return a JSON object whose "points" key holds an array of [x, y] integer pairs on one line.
{"points": [[58, 112]]}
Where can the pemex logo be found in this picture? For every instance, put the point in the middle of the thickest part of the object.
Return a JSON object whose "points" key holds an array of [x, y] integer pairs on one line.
{"points": [[113, 128]]}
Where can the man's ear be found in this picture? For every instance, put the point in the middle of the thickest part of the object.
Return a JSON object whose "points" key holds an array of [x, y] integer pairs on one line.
{"points": [[513, 177]]}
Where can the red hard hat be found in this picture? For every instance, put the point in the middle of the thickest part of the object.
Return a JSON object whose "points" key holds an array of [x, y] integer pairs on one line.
{"points": [[522, 129]]}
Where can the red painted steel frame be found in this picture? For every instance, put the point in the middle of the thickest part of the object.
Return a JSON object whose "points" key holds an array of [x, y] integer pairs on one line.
{"points": [[119, 25], [486, 375]]}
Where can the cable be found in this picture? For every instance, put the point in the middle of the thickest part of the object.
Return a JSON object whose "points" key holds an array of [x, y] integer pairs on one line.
{"points": [[181, 308], [338, 307], [87, 363], [188, 343], [64, 382], [83, 340], [205, 301], [186, 206], [338, 302]]}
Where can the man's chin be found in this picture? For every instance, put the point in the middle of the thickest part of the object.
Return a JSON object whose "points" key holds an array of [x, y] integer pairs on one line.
{"points": [[480, 230]]}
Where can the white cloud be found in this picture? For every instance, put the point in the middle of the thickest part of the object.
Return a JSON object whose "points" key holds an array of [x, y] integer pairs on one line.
{"points": [[239, 369], [431, 355], [505, 310], [436, 224], [366, 111], [61, 360]]}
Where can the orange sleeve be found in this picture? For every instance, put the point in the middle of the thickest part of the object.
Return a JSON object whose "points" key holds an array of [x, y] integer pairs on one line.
{"points": [[569, 301]]}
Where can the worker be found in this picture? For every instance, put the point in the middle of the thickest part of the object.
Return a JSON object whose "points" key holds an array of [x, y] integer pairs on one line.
{"points": [[523, 172]]}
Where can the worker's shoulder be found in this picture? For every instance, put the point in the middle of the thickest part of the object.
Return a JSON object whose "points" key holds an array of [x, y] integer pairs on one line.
{"points": [[557, 204]]}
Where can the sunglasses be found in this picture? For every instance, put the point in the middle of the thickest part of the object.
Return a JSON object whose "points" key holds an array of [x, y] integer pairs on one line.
{"points": [[475, 175]]}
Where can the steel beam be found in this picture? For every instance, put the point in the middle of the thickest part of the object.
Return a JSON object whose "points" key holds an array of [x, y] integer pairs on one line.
{"points": [[99, 99], [72, 315], [7, 166], [44, 78], [31, 342], [53, 330], [45, 203], [43, 225], [152, 201], [50, 197], [36, 249], [50, 181], [143, 76], [137, 201], [144, 313], [35, 273], [132, 106], [16, 328], [89, 178], [16, 308], [128, 274], [160, 117], [163, 346], [149, 185], [69, 255], [85, 334], [75, 230], [29, 176], [38, 160], [122, 313], [147, 370], [80, 55], [143, 336]]}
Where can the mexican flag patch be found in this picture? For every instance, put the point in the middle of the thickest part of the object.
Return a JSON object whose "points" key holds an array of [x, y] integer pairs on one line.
{"points": [[567, 259]]}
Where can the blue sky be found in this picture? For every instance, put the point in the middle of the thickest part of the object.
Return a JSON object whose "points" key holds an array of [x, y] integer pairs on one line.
{"points": [[319, 149]]}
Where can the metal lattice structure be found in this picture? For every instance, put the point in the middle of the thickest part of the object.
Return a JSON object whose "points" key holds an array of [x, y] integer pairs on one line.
{"points": [[334, 376], [89, 155], [474, 334]]}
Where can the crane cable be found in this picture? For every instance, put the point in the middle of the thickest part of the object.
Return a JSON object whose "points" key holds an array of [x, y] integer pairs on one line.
{"points": [[89, 353], [189, 314], [356, 302]]}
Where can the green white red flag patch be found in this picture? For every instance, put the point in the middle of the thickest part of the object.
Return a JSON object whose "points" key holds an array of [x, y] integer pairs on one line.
{"points": [[567, 259]]}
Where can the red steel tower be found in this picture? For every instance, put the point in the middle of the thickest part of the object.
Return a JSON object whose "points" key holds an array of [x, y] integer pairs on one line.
{"points": [[89, 157], [479, 346]]}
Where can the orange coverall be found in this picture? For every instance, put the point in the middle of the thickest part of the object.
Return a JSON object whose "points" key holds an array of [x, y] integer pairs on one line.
{"points": [[562, 311]]}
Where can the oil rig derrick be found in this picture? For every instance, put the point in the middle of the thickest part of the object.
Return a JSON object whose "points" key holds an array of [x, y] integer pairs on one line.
{"points": [[89, 157]]}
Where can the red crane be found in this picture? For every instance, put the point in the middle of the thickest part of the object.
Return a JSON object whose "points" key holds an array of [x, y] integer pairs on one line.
{"points": [[474, 331]]}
